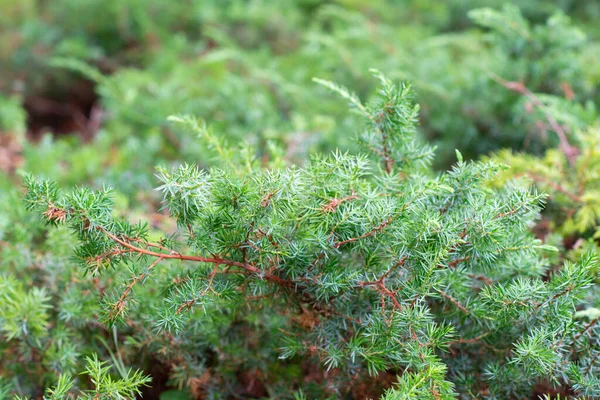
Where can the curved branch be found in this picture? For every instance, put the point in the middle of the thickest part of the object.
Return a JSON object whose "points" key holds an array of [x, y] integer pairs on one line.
{"points": [[212, 260]]}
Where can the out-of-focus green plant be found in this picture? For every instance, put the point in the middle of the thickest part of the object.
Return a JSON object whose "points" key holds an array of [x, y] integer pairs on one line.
{"points": [[247, 68], [547, 58], [570, 172]]}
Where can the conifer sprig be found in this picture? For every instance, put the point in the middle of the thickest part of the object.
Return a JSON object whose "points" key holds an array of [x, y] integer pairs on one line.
{"points": [[378, 263]]}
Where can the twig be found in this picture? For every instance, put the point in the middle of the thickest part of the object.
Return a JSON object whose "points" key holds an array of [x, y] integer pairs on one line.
{"points": [[554, 186], [378, 228], [587, 328], [454, 301], [472, 340], [213, 260], [119, 305], [569, 151], [335, 202]]}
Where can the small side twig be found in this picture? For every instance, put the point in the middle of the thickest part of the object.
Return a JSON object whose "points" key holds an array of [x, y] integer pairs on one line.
{"points": [[454, 301], [570, 152]]}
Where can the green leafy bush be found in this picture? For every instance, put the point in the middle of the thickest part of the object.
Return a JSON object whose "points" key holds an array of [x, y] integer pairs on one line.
{"points": [[364, 264]]}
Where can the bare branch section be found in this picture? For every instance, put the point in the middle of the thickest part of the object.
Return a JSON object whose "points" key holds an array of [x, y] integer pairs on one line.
{"points": [[211, 260], [589, 326], [119, 307], [454, 301]]}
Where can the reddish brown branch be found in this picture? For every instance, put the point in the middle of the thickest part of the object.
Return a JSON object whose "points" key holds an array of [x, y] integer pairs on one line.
{"points": [[556, 296], [472, 340], [569, 151], [454, 301], [453, 263], [385, 154], [385, 275], [185, 305], [335, 202], [212, 260], [381, 288], [120, 304], [554, 186], [506, 214], [389, 161], [587, 328], [482, 278]]}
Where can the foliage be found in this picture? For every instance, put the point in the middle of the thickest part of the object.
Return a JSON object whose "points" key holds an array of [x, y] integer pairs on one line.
{"points": [[388, 266], [247, 69], [567, 173], [573, 187], [291, 259], [48, 316], [104, 385]]}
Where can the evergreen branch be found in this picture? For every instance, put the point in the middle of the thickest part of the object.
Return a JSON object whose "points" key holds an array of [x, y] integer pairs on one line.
{"points": [[211, 260], [470, 341], [379, 280], [119, 306], [189, 303], [384, 291], [482, 278], [278, 234], [335, 203], [453, 263], [556, 296], [345, 93]]}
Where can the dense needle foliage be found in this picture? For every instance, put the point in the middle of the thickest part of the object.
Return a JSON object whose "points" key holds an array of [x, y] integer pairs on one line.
{"points": [[378, 264], [292, 249]]}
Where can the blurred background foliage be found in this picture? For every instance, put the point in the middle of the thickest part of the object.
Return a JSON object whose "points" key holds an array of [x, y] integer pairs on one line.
{"points": [[86, 89]]}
